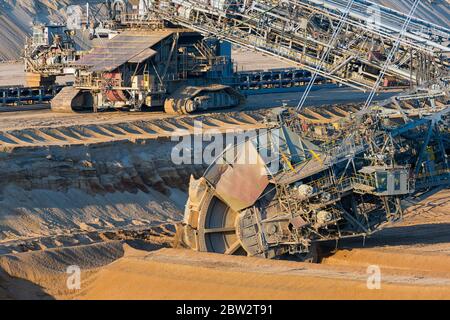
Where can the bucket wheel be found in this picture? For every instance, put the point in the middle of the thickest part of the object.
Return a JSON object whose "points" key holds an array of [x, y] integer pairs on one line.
{"points": [[217, 228]]}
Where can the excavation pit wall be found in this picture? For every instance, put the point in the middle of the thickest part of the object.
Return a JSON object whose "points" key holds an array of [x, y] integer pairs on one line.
{"points": [[97, 169], [66, 195], [64, 190]]}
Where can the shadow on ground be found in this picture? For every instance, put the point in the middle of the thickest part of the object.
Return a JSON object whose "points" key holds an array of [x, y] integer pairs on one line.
{"points": [[20, 289], [416, 235]]}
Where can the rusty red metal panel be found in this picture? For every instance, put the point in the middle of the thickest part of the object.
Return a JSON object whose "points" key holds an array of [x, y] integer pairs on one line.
{"points": [[243, 182]]}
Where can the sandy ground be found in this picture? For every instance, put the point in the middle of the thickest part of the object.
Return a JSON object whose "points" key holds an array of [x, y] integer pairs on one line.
{"points": [[176, 274], [413, 257], [26, 129], [46, 118], [47, 218]]}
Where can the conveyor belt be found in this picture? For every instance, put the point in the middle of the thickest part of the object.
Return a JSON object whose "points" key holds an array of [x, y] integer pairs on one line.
{"points": [[27, 95], [275, 80]]}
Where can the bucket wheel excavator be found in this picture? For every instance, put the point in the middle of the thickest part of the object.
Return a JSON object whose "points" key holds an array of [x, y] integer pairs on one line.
{"points": [[298, 191], [289, 195]]}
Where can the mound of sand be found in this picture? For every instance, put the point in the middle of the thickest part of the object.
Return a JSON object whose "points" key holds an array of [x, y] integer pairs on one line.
{"points": [[43, 274]]}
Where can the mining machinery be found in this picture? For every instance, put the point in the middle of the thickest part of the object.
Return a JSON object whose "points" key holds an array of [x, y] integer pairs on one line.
{"points": [[298, 31], [330, 173], [198, 71], [143, 62], [49, 52], [169, 68], [301, 187], [284, 192]]}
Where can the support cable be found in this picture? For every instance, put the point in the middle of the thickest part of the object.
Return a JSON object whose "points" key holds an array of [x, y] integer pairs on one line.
{"points": [[364, 110], [325, 54]]}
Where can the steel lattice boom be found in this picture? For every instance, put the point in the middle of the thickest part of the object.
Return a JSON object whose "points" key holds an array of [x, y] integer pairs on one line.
{"points": [[299, 31]]}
